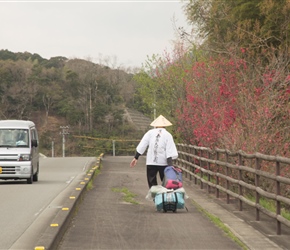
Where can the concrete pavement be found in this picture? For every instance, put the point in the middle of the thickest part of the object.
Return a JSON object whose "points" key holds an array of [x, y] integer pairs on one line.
{"points": [[105, 221]]}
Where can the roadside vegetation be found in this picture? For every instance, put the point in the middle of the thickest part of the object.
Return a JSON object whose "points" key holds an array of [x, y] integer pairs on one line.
{"points": [[90, 185], [128, 196], [271, 206], [215, 220], [226, 84], [229, 85]]}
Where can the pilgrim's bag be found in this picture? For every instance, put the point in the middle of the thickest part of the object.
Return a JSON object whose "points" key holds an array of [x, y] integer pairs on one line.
{"points": [[172, 178], [169, 201]]}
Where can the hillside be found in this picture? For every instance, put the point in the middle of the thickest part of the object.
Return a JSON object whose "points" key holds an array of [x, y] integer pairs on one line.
{"points": [[50, 135], [137, 119]]}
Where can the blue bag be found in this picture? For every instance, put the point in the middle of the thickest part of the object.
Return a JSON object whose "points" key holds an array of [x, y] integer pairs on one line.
{"points": [[172, 178], [169, 201]]}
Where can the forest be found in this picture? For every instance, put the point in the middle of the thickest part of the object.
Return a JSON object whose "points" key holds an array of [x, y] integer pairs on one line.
{"points": [[225, 84], [88, 97]]}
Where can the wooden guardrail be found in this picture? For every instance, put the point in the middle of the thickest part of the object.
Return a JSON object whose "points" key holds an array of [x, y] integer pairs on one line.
{"points": [[240, 175]]}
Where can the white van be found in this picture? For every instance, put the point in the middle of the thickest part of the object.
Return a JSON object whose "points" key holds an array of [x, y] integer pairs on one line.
{"points": [[19, 156]]}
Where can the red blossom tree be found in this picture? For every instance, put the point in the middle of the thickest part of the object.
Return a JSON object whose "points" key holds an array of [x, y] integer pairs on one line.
{"points": [[231, 105]]}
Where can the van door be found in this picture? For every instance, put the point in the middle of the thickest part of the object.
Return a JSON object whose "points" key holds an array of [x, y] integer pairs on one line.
{"points": [[34, 154]]}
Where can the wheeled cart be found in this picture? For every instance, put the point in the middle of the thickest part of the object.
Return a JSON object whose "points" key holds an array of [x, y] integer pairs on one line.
{"points": [[169, 201]]}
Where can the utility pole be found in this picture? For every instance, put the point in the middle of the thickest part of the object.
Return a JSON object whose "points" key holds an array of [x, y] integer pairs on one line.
{"points": [[52, 147], [114, 147], [63, 133], [154, 105]]}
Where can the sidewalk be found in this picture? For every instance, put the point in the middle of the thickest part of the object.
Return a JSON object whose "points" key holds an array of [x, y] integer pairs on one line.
{"points": [[105, 221]]}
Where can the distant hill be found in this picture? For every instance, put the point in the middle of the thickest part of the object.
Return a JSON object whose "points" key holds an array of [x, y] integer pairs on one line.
{"points": [[90, 98]]}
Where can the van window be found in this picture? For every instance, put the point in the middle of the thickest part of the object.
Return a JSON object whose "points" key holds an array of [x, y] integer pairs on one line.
{"points": [[14, 138], [34, 134]]}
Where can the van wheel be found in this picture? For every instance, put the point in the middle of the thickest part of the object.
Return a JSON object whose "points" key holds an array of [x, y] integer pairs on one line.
{"points": [[35, 176], [30, 179]]}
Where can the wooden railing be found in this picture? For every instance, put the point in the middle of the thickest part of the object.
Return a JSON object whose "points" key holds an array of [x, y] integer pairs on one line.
{"points": [[240, 175]]}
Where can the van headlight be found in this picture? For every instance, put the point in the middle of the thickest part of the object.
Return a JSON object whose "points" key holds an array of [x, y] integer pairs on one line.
{"points": [[24, 157], [25, 170]]}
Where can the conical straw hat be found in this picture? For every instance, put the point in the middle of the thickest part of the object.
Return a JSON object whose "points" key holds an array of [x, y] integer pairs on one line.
{"points": [[161, 121]]}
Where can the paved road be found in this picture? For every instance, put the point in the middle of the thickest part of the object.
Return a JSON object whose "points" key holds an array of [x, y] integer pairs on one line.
{"points": [[26, 211], [105, 221]]}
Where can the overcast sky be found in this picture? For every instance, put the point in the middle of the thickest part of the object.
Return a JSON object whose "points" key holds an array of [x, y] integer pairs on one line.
{"points": [[124, 31]]}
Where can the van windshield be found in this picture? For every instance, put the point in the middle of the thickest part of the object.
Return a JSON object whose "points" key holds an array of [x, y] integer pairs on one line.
{"points": [[14, 138]]}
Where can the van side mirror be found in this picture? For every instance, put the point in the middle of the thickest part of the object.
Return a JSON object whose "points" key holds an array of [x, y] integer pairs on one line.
{"points": [[34, 143]]}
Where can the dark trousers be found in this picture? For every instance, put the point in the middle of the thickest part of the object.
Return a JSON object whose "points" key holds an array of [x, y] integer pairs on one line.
{"points": [[152, 172]]}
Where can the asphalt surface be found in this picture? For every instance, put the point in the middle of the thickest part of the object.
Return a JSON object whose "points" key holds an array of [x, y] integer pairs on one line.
{"points": [[103, 220]]}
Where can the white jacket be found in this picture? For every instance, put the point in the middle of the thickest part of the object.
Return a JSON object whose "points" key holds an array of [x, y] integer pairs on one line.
{"points": [[160, 147]]}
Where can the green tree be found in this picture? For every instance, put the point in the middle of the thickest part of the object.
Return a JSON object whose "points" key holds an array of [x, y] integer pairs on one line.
{"points": [[15, 89], [227, 25], [160, 84]]}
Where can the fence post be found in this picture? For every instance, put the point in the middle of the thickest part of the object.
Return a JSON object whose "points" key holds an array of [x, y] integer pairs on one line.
{"points": [[278, 192], [217, 178], [201, 172], [208, 168], [227, 181], [257, 177], [192, 161], [195, 153], [188, 159], [240, 179], [185, 158]]}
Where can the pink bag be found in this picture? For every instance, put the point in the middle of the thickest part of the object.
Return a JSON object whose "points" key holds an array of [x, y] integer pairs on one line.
{"points": [[173, 184]]}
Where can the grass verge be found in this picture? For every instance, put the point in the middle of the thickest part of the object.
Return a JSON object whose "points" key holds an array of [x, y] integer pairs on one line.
{"points": [[90, 185], [221, 225], [270, 205], [128, 196]]}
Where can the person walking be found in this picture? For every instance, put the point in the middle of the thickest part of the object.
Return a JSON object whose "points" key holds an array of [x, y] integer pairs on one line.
{"points": [[161, 150]]}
